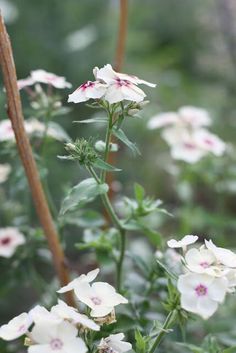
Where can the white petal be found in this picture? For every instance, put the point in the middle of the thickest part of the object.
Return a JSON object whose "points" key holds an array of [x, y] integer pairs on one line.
{"points": [[162, 119], [206, 307], [84, 293], [75, 346], [194, 116], [106, 291], [101, 311], [39, 348], [217, 289], [189, 302]]}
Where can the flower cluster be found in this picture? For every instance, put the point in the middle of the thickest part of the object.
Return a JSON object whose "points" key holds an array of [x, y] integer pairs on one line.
{"points": [[42, 76], [33, 127], [110, 86], [10, 239], [186, 133], [63, 329], [210, 273]]}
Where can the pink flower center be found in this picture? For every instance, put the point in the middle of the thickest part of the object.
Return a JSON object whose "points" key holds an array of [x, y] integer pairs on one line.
{"points": [[5, 241], [201, 290], [189, 146], [86, 85], [96, 300], [209, 142], [204, 264], [56, 344], [121, 83], [21, 328]]}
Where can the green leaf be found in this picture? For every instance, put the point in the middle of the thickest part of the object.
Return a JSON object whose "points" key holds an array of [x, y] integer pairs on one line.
{"points": [[193, 348], [154, 237], [102, 120], [86, 191], [121, 136], [230, 350], [99, 163], [60, 133], [84, 218], [139, 192], [141, 342]]}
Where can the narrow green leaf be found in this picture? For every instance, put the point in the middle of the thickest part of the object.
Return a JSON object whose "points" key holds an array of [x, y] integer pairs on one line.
{"points": [[102, 120], [139, 192], [121, 136], [86, 191], [99, 163]]}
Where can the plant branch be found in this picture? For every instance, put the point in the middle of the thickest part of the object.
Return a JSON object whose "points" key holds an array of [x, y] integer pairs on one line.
{"points": [[16, 116]]}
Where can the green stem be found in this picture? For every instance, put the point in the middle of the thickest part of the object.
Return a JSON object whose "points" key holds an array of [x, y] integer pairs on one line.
{"points": [[169, 320], [120, 260], [107, 143]]}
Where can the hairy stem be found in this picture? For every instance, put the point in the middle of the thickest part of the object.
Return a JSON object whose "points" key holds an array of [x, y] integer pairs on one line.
{"points": [[169, 320]]}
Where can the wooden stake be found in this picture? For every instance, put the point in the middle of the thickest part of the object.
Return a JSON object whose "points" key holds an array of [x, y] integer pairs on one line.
{"points": [[15, 114]]}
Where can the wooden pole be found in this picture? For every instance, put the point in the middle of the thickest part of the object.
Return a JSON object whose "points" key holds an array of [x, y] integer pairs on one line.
{"points": [[14, 110]]}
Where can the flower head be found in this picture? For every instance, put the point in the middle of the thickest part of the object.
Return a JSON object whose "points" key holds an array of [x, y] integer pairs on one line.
{"points": [[82, 278], [16, 327], [201, 293], [114, 344], [224, 256], [185, 241], [10, 239], [69, 313], [201, 261], [49, 78], [56, 337], [89, 89], [6, 130], [101, 297]]}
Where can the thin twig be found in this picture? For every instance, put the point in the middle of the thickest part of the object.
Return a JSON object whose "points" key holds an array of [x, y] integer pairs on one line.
{"points": [[16, 116]]}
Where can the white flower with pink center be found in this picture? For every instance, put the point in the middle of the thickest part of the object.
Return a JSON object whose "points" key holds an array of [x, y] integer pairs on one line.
{"points": [[209, 142], [224, 256], [5, 170], [69, 313], [183, 243], [6, 131], [16, 327], [185, 117], [201, 293], [25, 82], [10, 239], [120, 86], [88, 90], [82, 278], [49, 78], [201, 261], [39, 313], [101, 297], [51, 337], [114, 344]]}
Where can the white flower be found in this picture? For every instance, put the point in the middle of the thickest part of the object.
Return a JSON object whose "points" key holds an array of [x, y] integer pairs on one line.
{"points": [[16, 327], [194, 116], [67, 312], [89, 89], [83, 278], [39, 313], [224, 256], [209, 142], [36, 127], [120, 86], [185, 241], [201, 293], [49, 78], [114, 344], [101, 297], [51, 337], [5, 169], [162, 119], [201, 261], [25, 82], [10, 239], [186, 116], [6, 130]]}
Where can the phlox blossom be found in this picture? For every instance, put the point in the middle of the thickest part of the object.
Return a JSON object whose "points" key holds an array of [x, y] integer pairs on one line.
{"points": [[16, 327], [10, 239], [82, 278], [185, 241], [114, 344]]}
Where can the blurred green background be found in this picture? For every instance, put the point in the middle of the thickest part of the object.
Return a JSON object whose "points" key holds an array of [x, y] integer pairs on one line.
{"points": [[187, 47]]}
